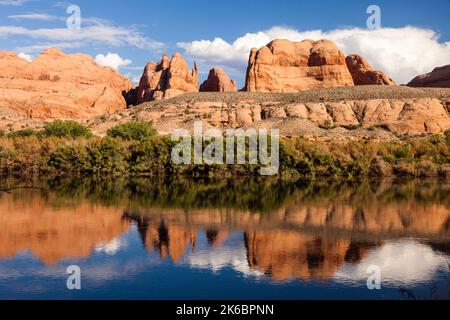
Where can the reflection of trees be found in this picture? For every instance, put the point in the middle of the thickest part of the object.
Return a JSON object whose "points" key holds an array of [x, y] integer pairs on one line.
{"points": [[256, 195]]}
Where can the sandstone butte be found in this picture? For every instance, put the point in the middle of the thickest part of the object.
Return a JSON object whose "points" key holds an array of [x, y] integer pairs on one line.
{"points": [[285, 66], [438, 78], [59, 85], [166, 79], [218, 81], [363, 73]]}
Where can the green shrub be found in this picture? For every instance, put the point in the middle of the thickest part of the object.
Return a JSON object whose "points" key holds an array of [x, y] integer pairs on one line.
{"points": [[403, 152], [404, 169], [72, 129], [151, 155], [447, 136], [135, 130], [352, 127], [23, 133], [107, 156], [2, 133], [327, 125], [72, 158]]}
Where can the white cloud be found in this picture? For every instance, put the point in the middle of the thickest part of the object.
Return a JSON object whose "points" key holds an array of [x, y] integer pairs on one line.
{"points": [[25, 56], [16, 3], [35, 16], [112, 60], [38, 47], [402, 53], [95, 34]]}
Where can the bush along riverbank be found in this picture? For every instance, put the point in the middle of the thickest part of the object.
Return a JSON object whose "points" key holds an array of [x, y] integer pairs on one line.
{"points": [[65, 148]]}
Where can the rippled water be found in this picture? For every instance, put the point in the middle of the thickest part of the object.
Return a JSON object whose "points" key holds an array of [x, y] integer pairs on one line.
{"points": [[262, 239]]}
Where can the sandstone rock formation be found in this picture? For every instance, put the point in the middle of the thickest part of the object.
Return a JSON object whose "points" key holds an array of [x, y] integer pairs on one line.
{"points": [[166, 79], [438, 78], [363, 73], [59, 85], [298, 117], [285, 66], [218, 81]]}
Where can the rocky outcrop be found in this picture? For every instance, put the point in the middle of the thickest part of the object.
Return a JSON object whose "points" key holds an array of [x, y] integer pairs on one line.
{"points": [[410, 116], [153, 81], [166, 79], [438, 78], [218, 81], [59, 85], [363, 73], [285, 66]]}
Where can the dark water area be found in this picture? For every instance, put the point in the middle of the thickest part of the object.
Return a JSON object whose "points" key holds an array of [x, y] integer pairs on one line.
{"points": [[249, 239]]}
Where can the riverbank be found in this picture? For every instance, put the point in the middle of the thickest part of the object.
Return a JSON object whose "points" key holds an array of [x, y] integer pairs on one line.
{"points": [[122, 154]]}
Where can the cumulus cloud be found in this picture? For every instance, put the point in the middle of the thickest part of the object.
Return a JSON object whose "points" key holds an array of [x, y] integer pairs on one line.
{"points": [[25, 56], [112, 60], [402, 53]]}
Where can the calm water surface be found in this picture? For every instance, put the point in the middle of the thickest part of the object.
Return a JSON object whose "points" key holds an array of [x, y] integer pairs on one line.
{"points": [[225, 240]]}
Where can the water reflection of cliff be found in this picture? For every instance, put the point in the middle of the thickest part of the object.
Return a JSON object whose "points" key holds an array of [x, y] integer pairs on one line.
{"points": [[310, 234], [171, 241], [53, 234], [287, 254]]}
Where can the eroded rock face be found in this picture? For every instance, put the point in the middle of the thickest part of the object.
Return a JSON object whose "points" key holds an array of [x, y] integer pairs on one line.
{"points": [[218, 81], [59, 85], [285, 66], [404, 116], [438, 78], [153, 82], [166, 79], [363, 73]]}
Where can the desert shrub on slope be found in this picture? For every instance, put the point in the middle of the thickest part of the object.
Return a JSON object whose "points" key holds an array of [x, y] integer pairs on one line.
{"points": [[135, 130], [61, 128]]}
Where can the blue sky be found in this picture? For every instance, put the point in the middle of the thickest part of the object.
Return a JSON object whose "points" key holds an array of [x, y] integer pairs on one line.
{"points": [[415, 36]]}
